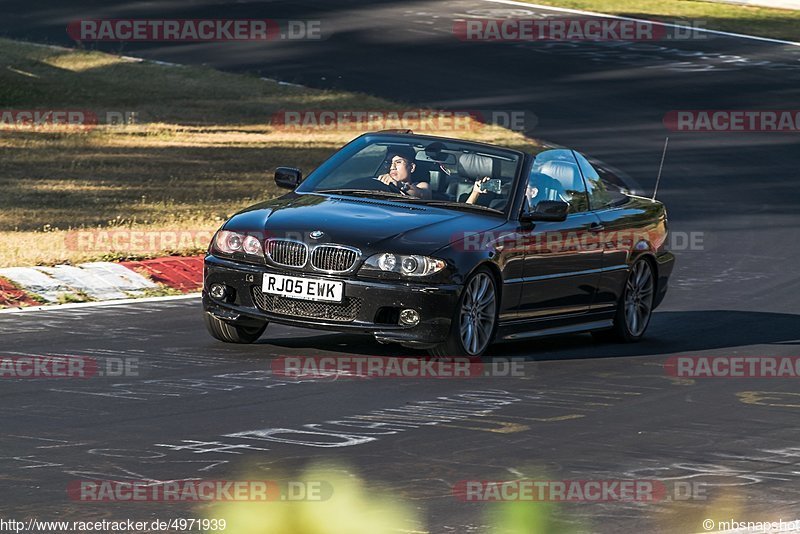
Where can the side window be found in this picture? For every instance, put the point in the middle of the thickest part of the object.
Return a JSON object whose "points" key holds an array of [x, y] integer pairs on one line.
{"points": [[555, 176], [601, 194]]}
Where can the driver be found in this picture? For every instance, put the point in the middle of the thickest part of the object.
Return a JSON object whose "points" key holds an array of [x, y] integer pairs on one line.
{"points": [[401, 168]]}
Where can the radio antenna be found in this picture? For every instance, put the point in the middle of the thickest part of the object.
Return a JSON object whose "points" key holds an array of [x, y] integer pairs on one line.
{"points": [[660, 167]]}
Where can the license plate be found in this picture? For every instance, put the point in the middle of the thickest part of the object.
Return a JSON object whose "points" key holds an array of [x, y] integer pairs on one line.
{"points": [[297, 287]]}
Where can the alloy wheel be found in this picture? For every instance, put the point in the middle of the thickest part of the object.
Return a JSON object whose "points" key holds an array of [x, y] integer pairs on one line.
{"points": [[639, 298], [478, 313]]}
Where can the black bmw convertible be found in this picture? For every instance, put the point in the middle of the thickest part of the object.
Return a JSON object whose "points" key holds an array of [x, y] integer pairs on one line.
{"points": [[441, 244]]}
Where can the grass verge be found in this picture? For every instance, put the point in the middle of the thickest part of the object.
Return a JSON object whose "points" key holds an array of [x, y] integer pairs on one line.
{"points": [[750, 20], [202, 147]]}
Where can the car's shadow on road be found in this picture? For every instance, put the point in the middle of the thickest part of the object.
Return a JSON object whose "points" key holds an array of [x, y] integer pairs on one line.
{"points": [[670, 332]]}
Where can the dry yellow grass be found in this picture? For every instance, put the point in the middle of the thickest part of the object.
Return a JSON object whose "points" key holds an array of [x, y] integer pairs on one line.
{"points": [[750, 20], [202, 147]]}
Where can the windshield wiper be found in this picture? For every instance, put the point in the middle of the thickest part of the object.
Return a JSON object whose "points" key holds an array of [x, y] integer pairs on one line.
{"points": [[406, 198], [368, 192], [454, 205]]}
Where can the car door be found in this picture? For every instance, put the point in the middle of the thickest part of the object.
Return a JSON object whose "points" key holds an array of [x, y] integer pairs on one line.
{"points": [[562, 260], [621, 230]]}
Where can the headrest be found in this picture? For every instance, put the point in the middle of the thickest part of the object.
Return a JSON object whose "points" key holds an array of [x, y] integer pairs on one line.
{"points": [[475, 166]]}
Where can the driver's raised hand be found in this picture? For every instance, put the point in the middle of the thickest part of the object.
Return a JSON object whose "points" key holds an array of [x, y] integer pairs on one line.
{"points": [[388, 180]]}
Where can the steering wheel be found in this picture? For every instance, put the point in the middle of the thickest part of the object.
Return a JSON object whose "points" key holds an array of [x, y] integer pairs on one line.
{"points": [[371, 182], [391, 188]]}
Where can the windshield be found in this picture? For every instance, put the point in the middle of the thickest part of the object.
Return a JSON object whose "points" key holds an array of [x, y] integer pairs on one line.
{"points": [[439, 172]]}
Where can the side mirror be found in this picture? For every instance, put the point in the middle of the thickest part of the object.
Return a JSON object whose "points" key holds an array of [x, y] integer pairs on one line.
{"points": [[547, 210], [288, 177]]}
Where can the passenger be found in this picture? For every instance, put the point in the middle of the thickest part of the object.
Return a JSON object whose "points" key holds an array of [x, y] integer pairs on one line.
{"points": [[477, 191]]}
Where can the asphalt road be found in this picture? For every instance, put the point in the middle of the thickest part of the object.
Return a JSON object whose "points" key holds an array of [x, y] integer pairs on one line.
{"points": [[582, 411]]}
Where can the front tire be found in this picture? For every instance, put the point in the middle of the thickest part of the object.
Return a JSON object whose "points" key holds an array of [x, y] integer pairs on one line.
{"points": [[635, 307], [230, 333], [475, 319]]}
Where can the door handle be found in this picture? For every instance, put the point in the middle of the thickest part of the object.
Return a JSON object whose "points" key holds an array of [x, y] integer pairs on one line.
{"points": [[596, 227]]}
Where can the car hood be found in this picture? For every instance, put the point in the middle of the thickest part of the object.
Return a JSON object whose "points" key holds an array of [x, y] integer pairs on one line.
{"points": [[370, 224]]}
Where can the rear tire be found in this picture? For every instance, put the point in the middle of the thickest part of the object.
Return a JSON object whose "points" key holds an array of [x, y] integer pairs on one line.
{"points": [[635, 307], [230, 333], [474, 322]]}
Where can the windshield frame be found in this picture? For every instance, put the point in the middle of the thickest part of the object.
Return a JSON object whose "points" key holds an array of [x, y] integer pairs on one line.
{"points": [[308, 185]]}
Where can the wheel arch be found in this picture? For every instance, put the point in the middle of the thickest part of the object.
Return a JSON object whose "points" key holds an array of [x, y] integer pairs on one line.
{"points": [[650, 258]]}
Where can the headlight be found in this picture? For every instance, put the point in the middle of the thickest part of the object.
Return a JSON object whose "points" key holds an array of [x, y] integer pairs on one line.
{"points": [[231, 242], [412, 266], [252, 246]]}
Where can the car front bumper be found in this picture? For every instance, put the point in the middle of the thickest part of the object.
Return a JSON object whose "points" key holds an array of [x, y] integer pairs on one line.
{"points": [[370, 306]]}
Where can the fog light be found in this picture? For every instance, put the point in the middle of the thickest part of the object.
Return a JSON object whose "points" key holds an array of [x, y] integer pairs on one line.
{"points": [[217, 291], [409, 317]]}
